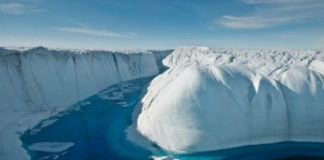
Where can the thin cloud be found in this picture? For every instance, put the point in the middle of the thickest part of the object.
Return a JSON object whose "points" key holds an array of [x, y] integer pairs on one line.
{"points": [[271, 13], [252, 22], [13, 8], [18, 8], [94, 32]]}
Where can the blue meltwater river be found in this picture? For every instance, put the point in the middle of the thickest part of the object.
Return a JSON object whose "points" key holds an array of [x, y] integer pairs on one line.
{"points": [[94, 129]]}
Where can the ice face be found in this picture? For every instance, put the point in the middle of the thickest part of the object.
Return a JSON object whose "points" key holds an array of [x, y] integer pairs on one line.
{"points": [[214, 99], [39, 79]]}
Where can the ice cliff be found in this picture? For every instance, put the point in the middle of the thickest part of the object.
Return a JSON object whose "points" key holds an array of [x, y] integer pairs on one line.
{"points": [[39, 78], [212, 99], [38, 82]]}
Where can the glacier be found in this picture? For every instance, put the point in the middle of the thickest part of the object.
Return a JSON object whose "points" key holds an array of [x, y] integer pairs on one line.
{"points": [[37, 83], [214, 98], [206, 99]]}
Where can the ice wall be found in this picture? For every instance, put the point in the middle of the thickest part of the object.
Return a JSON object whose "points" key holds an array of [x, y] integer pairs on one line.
{"points": [[40, 79], [212, 99]]}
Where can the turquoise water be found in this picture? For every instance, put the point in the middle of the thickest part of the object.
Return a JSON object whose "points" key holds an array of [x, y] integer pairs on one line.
{"points": [[97, 126]]}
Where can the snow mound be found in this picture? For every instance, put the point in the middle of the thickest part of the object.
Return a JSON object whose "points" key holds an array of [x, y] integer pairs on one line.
{"points": [[214, 99]]}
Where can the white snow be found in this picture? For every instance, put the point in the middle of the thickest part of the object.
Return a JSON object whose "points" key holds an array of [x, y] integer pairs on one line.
{"points": [[39, 82], [51, 146], [48, 122], [212, 99], [163, 158]]}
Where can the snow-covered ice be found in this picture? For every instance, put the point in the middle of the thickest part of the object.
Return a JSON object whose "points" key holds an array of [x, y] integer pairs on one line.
{"points": [[163, 158], [50, 146], [48, 122], [212, 99]]}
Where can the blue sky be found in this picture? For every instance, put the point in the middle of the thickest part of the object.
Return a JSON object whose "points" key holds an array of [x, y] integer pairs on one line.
{"points": [[161, 24]]}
